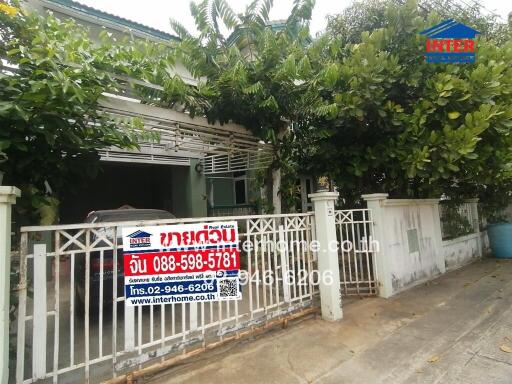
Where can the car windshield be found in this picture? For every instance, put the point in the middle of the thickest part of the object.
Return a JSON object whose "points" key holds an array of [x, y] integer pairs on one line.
{"points": [[114, 216]]}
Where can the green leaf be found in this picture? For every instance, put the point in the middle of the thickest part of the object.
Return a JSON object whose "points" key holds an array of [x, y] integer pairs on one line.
{"points": [[453, 115], [4, 144]]}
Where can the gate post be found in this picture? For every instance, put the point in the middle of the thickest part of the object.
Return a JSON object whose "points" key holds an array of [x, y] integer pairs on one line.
{"points": [[376, 203], [330, 295], [7, 198]]}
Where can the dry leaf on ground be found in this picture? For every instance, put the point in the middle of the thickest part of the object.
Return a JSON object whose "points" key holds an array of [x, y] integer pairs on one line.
{"points": [[506, 348]]}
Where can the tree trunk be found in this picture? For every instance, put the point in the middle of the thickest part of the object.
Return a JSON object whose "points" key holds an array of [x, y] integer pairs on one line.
{"points": [[276, 174], [276, 186]]}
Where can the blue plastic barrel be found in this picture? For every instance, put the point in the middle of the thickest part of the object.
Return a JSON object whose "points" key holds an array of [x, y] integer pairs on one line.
{"points": [[500, 239]]}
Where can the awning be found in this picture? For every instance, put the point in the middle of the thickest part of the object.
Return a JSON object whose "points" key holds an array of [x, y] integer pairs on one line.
{"points": [[221, 148]]}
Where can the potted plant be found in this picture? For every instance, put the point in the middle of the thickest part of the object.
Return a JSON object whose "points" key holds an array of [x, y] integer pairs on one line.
{"points": [[3, 159], [499, 231]]}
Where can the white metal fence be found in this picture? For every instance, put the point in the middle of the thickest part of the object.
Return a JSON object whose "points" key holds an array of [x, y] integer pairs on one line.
{"points": [[356, 249], [458, 220], [72, 322]]}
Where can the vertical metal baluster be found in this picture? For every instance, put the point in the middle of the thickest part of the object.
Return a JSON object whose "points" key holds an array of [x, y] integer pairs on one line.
{"points": [[173, 320], [375, 277], [40, 312], [228, 309], [72, 313], [219, 306], [357, 247], [367, 253], [139, 331], [114, 301], [299, 258], [100, 314], [290, 234], [277, 275], [263, 248], [183, 323], [354, 247], [269, 268], [235, 304], [249, 267], [349, 262], [151, 321], [341, 254], [302, 251], [257, 271], [272, 250], [87, 299], [284, 261], [22, 309], [309, 229], [202, 323], [162, 327], [57, 308]]}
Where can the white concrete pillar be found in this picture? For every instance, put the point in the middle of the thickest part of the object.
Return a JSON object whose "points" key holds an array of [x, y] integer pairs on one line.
{"points": [[7, 199], [376, 203], [438, 238], [328, 266]]}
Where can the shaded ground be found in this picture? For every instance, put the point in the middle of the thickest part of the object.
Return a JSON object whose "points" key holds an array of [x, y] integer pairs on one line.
{"points": [[448, 331]]}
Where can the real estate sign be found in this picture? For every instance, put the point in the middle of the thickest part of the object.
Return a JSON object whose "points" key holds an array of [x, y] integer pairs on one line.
{"points": [[181, 263]]}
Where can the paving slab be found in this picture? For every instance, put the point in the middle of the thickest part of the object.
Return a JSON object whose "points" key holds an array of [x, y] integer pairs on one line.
{"points": [[446, 331]]}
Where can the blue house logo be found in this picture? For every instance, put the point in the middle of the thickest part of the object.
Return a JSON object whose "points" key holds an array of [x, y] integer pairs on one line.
{"points": [[450, 42], [140, 239]]}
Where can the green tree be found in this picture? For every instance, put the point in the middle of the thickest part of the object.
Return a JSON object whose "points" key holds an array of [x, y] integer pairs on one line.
{"points": [[388, 121], [253, 72], [368, 15], [52, 78]]}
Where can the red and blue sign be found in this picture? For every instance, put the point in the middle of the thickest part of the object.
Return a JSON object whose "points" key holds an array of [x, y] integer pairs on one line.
{"points": [[450, 42], [181, 263]]}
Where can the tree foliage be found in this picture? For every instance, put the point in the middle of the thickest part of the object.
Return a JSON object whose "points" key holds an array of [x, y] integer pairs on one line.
{"points": [[391, 122], [359, 103], [368, 15], [251, 70], [51, 81], [366, 107]]}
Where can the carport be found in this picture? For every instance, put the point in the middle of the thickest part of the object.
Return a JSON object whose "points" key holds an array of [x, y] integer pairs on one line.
{"points": [[139, 185], [170, 174]]}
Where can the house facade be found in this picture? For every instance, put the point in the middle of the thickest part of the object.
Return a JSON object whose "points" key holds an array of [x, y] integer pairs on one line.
{"points": [[196, 169]]}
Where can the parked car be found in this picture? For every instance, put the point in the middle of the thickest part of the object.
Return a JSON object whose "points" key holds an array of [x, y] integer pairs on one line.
{"points": [[107, 216]]}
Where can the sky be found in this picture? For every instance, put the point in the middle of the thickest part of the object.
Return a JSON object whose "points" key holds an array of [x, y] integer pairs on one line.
{"points": [[156, 13]]}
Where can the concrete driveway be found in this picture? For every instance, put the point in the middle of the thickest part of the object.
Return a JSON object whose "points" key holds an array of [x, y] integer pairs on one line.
{"points": [[455, 329]]}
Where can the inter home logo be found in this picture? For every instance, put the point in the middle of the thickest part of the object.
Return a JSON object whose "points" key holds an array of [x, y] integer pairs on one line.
{"points": [[450, 42], [140, 239]]}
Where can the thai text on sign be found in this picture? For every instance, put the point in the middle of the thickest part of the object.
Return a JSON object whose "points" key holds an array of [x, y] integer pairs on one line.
{"points": [[181, 263]]}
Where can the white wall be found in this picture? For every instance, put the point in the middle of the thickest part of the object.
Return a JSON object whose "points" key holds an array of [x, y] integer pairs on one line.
{"points": [[411, 247], [462, 250]]}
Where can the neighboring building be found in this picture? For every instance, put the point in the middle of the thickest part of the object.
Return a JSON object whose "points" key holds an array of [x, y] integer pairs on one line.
{"points": [[197, 168]]}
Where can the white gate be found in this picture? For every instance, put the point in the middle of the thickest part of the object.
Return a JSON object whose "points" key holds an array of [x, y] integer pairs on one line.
{"points": [[72, 322], [356, 249]]}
